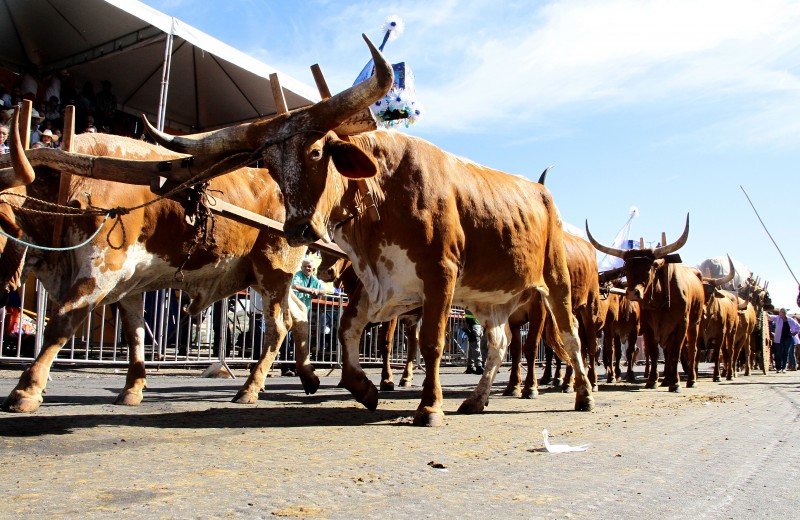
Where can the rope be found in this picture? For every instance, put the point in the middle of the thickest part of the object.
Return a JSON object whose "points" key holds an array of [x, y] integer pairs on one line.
{"points": [[70, 248], [769, 235]]}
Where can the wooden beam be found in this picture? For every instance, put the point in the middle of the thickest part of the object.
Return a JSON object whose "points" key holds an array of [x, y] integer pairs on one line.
{"points": [[277, 94], [663, 239], [162, 185]]}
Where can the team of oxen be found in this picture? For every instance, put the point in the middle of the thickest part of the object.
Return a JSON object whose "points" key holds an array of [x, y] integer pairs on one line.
{"points": [[415, 222]]}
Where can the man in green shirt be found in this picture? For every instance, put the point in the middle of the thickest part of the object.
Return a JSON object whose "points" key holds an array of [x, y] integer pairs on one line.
{"points": [[306, 285]]}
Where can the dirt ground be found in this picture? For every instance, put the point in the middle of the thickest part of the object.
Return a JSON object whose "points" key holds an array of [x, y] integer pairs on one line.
{"points": [[720, 450]]}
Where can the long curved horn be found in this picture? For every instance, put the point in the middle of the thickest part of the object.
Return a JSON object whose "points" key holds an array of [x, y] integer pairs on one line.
{"points": [[741, 304], [663, 251], [543, 176], [600, 247], [225, 140], [719, 282], [329, 113], [22, 173]]}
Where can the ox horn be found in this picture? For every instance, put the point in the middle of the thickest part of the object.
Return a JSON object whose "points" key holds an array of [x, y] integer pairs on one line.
{"points": [[719, 282], [225, 140], [661, 252], [543, 176], [329, 113], [600, 247], [22, 172]]}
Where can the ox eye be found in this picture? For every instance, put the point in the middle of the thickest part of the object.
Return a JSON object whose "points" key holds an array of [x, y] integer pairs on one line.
{"points": [[315, 154]]}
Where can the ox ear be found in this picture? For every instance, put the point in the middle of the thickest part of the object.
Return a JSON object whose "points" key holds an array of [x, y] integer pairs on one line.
{"points": [[350, 160], [673, 258]]}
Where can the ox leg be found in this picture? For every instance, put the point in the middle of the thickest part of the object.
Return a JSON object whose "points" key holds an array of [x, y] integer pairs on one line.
{"points": [[386, 337], [617, 359], [27, 395], [730, 353], [588, 336], [132, 321], [672, 353], [547, 373], [651, 352], [354, 320], [558, 379], [531, 349], [630, 355], [718, 350], [497, 339], [608, 355], [514, 379], [413, 347], [690, 347], [747, 354]]}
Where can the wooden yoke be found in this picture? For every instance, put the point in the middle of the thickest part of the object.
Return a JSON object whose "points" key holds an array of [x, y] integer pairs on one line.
{"points": [[363, 189], [68, 145]]}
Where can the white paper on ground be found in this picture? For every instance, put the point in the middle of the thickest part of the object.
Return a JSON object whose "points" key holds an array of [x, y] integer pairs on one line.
{"points": [[560, 448]]}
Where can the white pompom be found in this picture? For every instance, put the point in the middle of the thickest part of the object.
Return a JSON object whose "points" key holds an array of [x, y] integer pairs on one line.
{"points": [[394, 26]]}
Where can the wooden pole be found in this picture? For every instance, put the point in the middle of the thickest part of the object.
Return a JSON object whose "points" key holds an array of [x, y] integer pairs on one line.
{"points": [[319, 79], [277, 94], [68, 145]]}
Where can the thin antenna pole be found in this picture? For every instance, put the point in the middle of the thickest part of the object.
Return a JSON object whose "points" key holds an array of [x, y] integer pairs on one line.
{"points": [[769, 235]]}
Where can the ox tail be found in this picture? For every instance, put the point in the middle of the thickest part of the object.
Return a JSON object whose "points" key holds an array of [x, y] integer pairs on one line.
{"points": [[550, 333]]}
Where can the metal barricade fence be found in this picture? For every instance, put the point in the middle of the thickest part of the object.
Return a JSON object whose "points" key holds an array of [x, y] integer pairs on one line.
{"points": [[229, 330]]}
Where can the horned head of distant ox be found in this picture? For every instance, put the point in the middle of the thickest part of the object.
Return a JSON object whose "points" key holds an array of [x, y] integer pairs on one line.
{"points": [[711, 285], [301, 150], [641, 264]]}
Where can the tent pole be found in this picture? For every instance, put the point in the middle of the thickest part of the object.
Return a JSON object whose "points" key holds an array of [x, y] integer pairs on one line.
{"points": [[162, 102]]}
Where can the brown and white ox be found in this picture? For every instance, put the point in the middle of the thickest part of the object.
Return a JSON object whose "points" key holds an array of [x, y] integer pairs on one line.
{"points": [[719, 322], [588, 307], [670, 296], [450, 232], [621, 324], [143, 253]]}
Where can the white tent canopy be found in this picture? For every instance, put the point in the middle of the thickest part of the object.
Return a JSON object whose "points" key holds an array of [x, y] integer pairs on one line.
{"points": [[148, 57]]}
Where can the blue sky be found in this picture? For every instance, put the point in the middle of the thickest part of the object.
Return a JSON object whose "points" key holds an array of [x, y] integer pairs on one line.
{"points": [[668, 106]]}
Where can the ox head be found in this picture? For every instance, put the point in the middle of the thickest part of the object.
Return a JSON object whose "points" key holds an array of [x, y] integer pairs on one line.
{"points": [[302, 151], [641, 265], [711, 285]]}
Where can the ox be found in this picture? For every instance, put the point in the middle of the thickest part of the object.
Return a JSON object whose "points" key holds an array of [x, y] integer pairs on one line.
{"points": [[450, 231], [671, 299], [621, 324], [588, 307], [719, 322], [759, 348], [143, 253]]}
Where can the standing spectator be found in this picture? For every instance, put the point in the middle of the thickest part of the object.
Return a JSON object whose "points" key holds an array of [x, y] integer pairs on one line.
{"points": [[5, 95], [785, 328], [3, 137], [47, 139], [105, 105], [52, 85], [29, 86], [474, 333]]}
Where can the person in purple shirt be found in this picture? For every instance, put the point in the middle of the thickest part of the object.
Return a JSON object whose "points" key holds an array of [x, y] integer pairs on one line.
{"points": [[785, 329]]}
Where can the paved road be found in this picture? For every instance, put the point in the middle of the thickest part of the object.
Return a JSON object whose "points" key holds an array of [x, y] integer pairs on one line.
{"points": [[724, 450]]}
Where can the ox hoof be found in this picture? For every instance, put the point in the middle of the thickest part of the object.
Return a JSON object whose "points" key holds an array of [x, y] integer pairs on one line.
{"points": [[567, 389], [690, 384], [650, 385], [471, 406], [545, 379], [630, 379], [370, 398], [245, 397], [530, 393], [429, 419], [716, 379], [610, 379], [387, 386], [675, 388], [129, 399], [512, 391], [584, 405], [557, 381], [595, 388], [21, 404], [310, 383], [405, 383]]}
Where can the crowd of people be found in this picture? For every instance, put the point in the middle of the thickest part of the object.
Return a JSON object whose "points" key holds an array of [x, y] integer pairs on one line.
{"points": [[95, 111]]}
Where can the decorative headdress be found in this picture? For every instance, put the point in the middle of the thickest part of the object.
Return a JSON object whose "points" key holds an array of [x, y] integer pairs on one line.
{"points": [[400, 105]]}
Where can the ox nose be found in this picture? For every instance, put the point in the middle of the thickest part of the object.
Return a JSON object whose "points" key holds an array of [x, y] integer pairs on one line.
{"points": [[300, 234]]}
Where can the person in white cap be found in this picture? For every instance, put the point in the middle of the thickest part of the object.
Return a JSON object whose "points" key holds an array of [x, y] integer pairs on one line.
{"points": [[47, 139]]}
